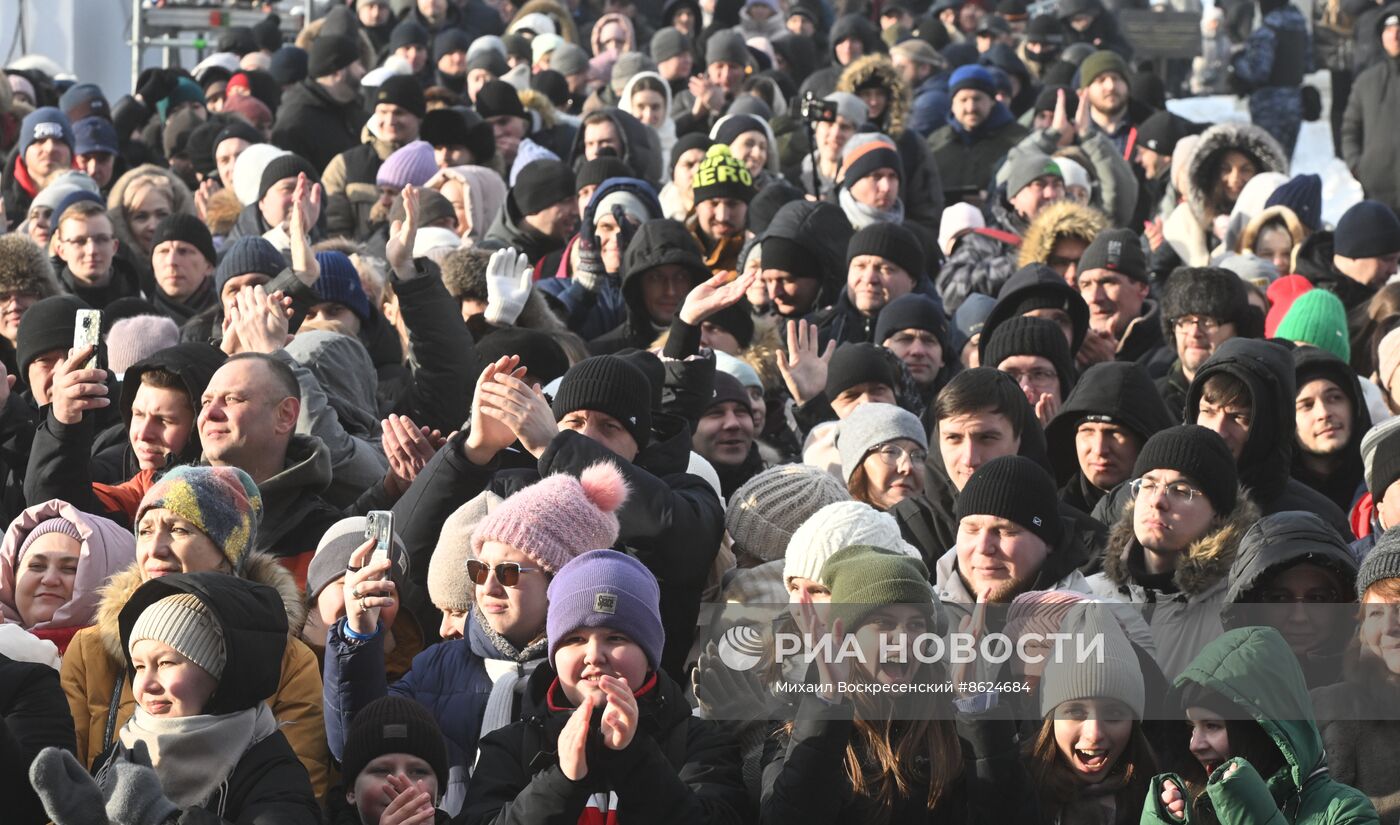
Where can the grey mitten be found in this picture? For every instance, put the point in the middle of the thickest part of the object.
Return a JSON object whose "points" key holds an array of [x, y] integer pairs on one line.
{"points": [[69, 794], [134, 794]]}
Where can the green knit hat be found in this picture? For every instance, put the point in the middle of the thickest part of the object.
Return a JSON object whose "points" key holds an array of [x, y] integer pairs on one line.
{"points": [[721, 175], [1100, 62], [1317, 317], [862, 578]]}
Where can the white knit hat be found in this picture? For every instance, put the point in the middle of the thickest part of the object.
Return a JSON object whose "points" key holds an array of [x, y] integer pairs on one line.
{"points": [[248, 169], [838, 525]]}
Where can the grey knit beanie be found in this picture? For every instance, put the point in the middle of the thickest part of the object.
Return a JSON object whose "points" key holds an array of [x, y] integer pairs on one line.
{"points": [[1117, 676], [765, 512], [448, 585], [185, 623], [1383, 562], [871, 425]]}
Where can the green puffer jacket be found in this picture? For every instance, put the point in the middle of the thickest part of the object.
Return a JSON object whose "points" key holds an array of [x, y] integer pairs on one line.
{"points": [[1253, 668]]}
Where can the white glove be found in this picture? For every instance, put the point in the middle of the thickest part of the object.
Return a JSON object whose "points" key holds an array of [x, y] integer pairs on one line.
{"points": [[508, 280]]}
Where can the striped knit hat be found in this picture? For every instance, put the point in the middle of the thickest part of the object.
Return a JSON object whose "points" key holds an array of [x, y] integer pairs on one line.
{"points": [[185, 623], [223, 502]]}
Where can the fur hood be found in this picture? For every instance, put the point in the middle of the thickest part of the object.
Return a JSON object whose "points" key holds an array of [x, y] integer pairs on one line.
{"points": [[1296, 230], [1207, 561], [258, 567], [877, 69], [544, 115], [563, 20], [1215, 142], [221, 212], [1060, 219], [181, 202], [25, 268]]}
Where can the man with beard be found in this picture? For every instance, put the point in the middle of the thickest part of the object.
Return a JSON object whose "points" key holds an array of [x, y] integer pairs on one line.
{"points": [[1011, 539], [1104, 75], [1202, 308], [722, 188]]}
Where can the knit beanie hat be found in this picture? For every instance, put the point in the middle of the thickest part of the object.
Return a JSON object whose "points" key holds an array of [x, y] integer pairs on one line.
{"points": [[47, 326], [1383, 562], [490, 60], [912, 311], [1197, 453], [289, 65], [541, 184], [1027, 168], [866, 153], [44, 123], [59, 525], [859, 363], [1028, 335], [412, 164], [181, 226], [850, 107], [605, 588], [1117, 676], [732, 127], [721, 175], [1116, 250], [1017, 489], [608, 384], [567, 59], [555, 519], [837, 525], [498, 97], [890, 241], [393, 724], [95, 134], [668, 43], [134, 339], [286, 165], [1303, 195], [84, 100], [1101, 62], [249, 255], [1380, 456], [1281, 295], [249, 168], [594, 172], [448, 585], [340, 283], [185, 623], [726, 47], [223, 502], [1318, 317], [973, 77], [1210, 291], [331, 53], [1041, 612], [404, 92], [871, 425], [862, 578], [335, 548], [765, 512], [1368, 229]]}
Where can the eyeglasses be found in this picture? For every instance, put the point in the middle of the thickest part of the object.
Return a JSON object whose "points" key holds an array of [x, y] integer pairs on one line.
{"points": [[507, 572], [1038, 377], [1177, 492], [95, 240], [892, 454], [1201, 322]]}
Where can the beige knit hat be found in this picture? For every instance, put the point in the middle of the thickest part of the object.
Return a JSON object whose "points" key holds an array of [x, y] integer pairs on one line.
{"points": [[185, 623], [448, 585]]}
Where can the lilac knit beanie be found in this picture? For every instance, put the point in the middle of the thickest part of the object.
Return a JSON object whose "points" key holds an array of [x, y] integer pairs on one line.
{"points": [[559, 517], [411, 164]]}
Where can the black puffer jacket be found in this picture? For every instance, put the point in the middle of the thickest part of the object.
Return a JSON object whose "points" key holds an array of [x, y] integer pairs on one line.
{"points": [[315, 125], [1348, 482], [657, 243], [33, 715], [434, 384], [1267, 457], [678, 769]]}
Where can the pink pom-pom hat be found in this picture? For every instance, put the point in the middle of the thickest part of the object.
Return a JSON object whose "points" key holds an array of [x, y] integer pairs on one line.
{"points": [[559, 517]]}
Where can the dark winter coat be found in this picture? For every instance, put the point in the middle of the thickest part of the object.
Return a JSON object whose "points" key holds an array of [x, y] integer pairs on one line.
{"points": [[1103, 33], [124, 283], [1276, 56], [641, 148], [316, 126], [823, 230], [1348, 482], [1370, 144], [657, 243], [823, 81], [510, 229], [1278, 542], [1172, 388], [966, 160], [677, 769], [433, 385], [1359, 718], [1119, 390], [33, 715], [931, 104]]}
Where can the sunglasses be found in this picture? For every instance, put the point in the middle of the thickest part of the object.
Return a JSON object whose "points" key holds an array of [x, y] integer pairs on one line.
{"points": [[507, 572]]}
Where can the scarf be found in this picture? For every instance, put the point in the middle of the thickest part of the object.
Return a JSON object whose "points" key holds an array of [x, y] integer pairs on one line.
{"points": [[508, 673], [194, 755], [862, 216]]}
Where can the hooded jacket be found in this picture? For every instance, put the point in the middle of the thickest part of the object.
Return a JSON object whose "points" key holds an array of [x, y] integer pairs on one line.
{"points": [[1062, 219], [104, 548], [641, 146], [678, 768], [1187, 604], [1274, 544], [1253, 669], [666, 133], [315, 125], [1264, 463], [657, 243], [823, 230], [1313, 260], [823, 81], [1345, 485], [34, 717], [96, 662]]}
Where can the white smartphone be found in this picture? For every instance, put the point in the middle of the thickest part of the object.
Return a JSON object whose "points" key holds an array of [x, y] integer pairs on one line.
{"points": [[87, 332]]}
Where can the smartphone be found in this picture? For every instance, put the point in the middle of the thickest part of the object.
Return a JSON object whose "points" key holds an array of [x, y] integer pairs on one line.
{"points": [[87, 332], [379, 525]]}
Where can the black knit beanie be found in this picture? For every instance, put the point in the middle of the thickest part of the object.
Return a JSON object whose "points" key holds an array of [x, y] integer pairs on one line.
{"points": [[1197, 453], [283, 167], [594, 172], [330, 54], [541, 184], [912, 311], [1027, 335], [539, 352], [1017, 489], [47, 326], [892, 242], [404, 92], [184, 227], [393, 724], [608, 384], [860, 363], [737, 320]]}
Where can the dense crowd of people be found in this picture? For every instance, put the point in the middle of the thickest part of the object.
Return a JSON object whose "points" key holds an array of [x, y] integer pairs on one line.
{"points": [[455, 360]]}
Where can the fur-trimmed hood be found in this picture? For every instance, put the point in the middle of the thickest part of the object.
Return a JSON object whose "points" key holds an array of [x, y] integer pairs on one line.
{"points": [[1208, 560], [1215, 142], [258, 567], [1296, 230], [562, 19], [1063, 218], [25, 268], [877, 69]]}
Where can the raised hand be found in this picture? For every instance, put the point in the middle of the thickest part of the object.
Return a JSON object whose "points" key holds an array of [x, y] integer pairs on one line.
{"points": [[620, 716], [1046, 408], [573, 741], [304, 216], [260, 321], [75, 389], [523, 408], [367, 589], [399, 249], [489, 435], [508, 280], [714, 295], [804, 366], [409, 448], [1060, 121]]}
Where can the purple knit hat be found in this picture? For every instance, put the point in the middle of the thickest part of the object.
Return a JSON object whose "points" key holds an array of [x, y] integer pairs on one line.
{"points": [[412, 164], [555, 519], [57, 524], [605, 588]]}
